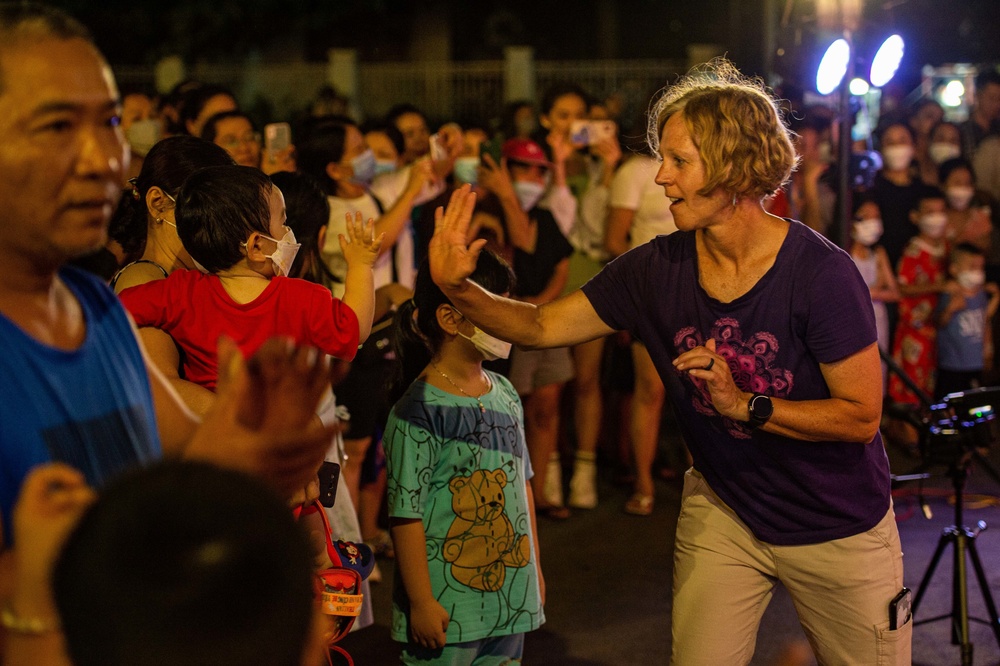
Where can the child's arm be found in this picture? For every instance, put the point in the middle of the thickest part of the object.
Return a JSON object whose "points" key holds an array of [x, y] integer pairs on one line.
{"points": [[428, 618], [991, 307], [360, 250], [887, 289], [534, 540], [906, 290], [953, 301]]}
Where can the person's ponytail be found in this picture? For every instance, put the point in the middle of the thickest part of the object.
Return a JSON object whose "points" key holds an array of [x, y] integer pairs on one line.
{"points": [[411, 348]]}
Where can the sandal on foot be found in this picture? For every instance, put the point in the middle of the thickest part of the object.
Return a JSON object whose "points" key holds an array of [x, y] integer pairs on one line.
{"points": [[552, 512], [639, 505]]}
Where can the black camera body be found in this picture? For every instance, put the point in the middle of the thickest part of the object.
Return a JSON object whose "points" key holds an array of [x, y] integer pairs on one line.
{"points": [[964, 422]]}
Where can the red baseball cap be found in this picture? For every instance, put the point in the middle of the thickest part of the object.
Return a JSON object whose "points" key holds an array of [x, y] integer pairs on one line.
{"points": [[524, 150]]}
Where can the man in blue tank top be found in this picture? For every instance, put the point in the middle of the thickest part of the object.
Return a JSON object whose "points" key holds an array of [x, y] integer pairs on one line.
{"points": [[76, 386]]}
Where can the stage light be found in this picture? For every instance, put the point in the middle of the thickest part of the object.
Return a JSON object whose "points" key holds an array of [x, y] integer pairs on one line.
{"points": [[886, 61], [859, 87], [952, 93], [832, 67]]}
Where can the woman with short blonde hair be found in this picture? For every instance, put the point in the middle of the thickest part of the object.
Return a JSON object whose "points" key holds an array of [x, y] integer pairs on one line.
{"points": [[764, 334]]}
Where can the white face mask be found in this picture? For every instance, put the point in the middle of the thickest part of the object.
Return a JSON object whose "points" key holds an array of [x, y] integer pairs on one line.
{"points": [[142, 134], [284, 255], [868, 231], [897, 158], [940, 152], [491, 348], [959, 197], [825, 151], [971, 279], [933, 224], [528, 194]]}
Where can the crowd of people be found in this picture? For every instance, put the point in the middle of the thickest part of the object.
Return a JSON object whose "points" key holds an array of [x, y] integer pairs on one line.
{"points": [[443, 310]]}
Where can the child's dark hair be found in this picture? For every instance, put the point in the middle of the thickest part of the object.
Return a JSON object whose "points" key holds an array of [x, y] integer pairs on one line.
{"points": [[965, 249], [218, 208], [168, 163], [185, 563], [322, 141], [927, 192], [308, 211], [954, 164], [417, 335]]}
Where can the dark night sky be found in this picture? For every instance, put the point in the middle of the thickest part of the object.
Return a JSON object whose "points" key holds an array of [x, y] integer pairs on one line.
{"points": [[139, 31]]}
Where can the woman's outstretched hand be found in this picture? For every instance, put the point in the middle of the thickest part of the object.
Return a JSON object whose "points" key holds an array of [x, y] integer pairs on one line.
{"points": [[451, 259]]}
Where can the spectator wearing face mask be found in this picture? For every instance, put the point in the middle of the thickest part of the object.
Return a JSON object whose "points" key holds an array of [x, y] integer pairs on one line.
{"points": [[964, 315], [541, 265], [332, 150], [944, 143], [873, 264], [141, 124], [896, 188], [920, 274], [969, 210]]}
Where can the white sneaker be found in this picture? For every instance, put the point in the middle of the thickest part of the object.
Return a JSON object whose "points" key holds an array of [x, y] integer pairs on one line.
{"points": [[553, 490], [583, 485]]}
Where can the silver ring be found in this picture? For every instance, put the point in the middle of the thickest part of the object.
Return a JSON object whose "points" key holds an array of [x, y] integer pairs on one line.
{"points": [[711, 362]]}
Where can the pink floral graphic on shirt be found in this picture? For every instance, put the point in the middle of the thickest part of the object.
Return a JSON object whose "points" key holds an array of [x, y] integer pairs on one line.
{"points": [[750, 362]]}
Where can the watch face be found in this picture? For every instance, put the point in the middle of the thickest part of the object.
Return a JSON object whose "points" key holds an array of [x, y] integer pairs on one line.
{"points": [[762, 406]]}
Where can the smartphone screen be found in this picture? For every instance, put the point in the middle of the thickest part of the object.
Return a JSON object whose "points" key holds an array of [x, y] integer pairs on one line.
{"points": [[277, 137]]}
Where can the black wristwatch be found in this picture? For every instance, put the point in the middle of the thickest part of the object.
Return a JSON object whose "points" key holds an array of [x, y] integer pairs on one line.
{"points": [[760, 408]]}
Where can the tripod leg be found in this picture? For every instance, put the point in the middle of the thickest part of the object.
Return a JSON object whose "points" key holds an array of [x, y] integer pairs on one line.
{"points": [[947, 536], [960, 600], [985, 588]]}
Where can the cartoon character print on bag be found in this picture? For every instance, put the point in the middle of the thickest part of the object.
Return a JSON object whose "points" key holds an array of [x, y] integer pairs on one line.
{"points": [[751, 362], [481, 542]]}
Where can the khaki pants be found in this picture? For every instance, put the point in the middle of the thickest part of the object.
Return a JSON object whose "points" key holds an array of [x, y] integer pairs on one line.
{"points": [[724, 579]]}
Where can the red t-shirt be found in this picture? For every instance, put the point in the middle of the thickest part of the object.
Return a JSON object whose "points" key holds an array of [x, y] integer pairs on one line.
{"points": [[195, 310]]}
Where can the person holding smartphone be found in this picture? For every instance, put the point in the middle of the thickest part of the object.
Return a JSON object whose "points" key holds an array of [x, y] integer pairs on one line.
{"points": [[235, 132], [578, 198]]}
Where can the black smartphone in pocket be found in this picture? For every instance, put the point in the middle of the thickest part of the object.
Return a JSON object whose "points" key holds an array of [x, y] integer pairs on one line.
{"points": [[329, 477], [899, 609]]}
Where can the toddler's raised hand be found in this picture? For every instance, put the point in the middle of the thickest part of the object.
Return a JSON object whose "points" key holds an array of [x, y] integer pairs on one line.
{"points": [[360, 246]]}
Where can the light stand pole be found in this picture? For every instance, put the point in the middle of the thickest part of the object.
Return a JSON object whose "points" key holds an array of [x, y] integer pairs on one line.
{"points": [[845, 148]]}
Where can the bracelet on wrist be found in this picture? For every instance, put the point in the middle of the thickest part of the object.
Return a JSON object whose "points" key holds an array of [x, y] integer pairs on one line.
{"points": [[32, 626]]}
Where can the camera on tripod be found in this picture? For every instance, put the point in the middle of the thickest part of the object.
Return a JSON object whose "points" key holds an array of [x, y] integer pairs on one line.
{"points": [[963, 423]]}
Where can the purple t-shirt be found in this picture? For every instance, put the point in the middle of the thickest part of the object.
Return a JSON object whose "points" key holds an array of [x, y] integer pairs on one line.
{"points": [[811, 307]]}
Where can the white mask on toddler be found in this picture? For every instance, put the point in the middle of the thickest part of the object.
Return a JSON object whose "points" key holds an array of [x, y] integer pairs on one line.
{"points": [[933, 224], [868, 231], [284, 255], [971, 279]]}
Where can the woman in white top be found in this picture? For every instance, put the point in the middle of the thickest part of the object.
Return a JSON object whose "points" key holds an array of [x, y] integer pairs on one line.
{"points": [[638, 213]]}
